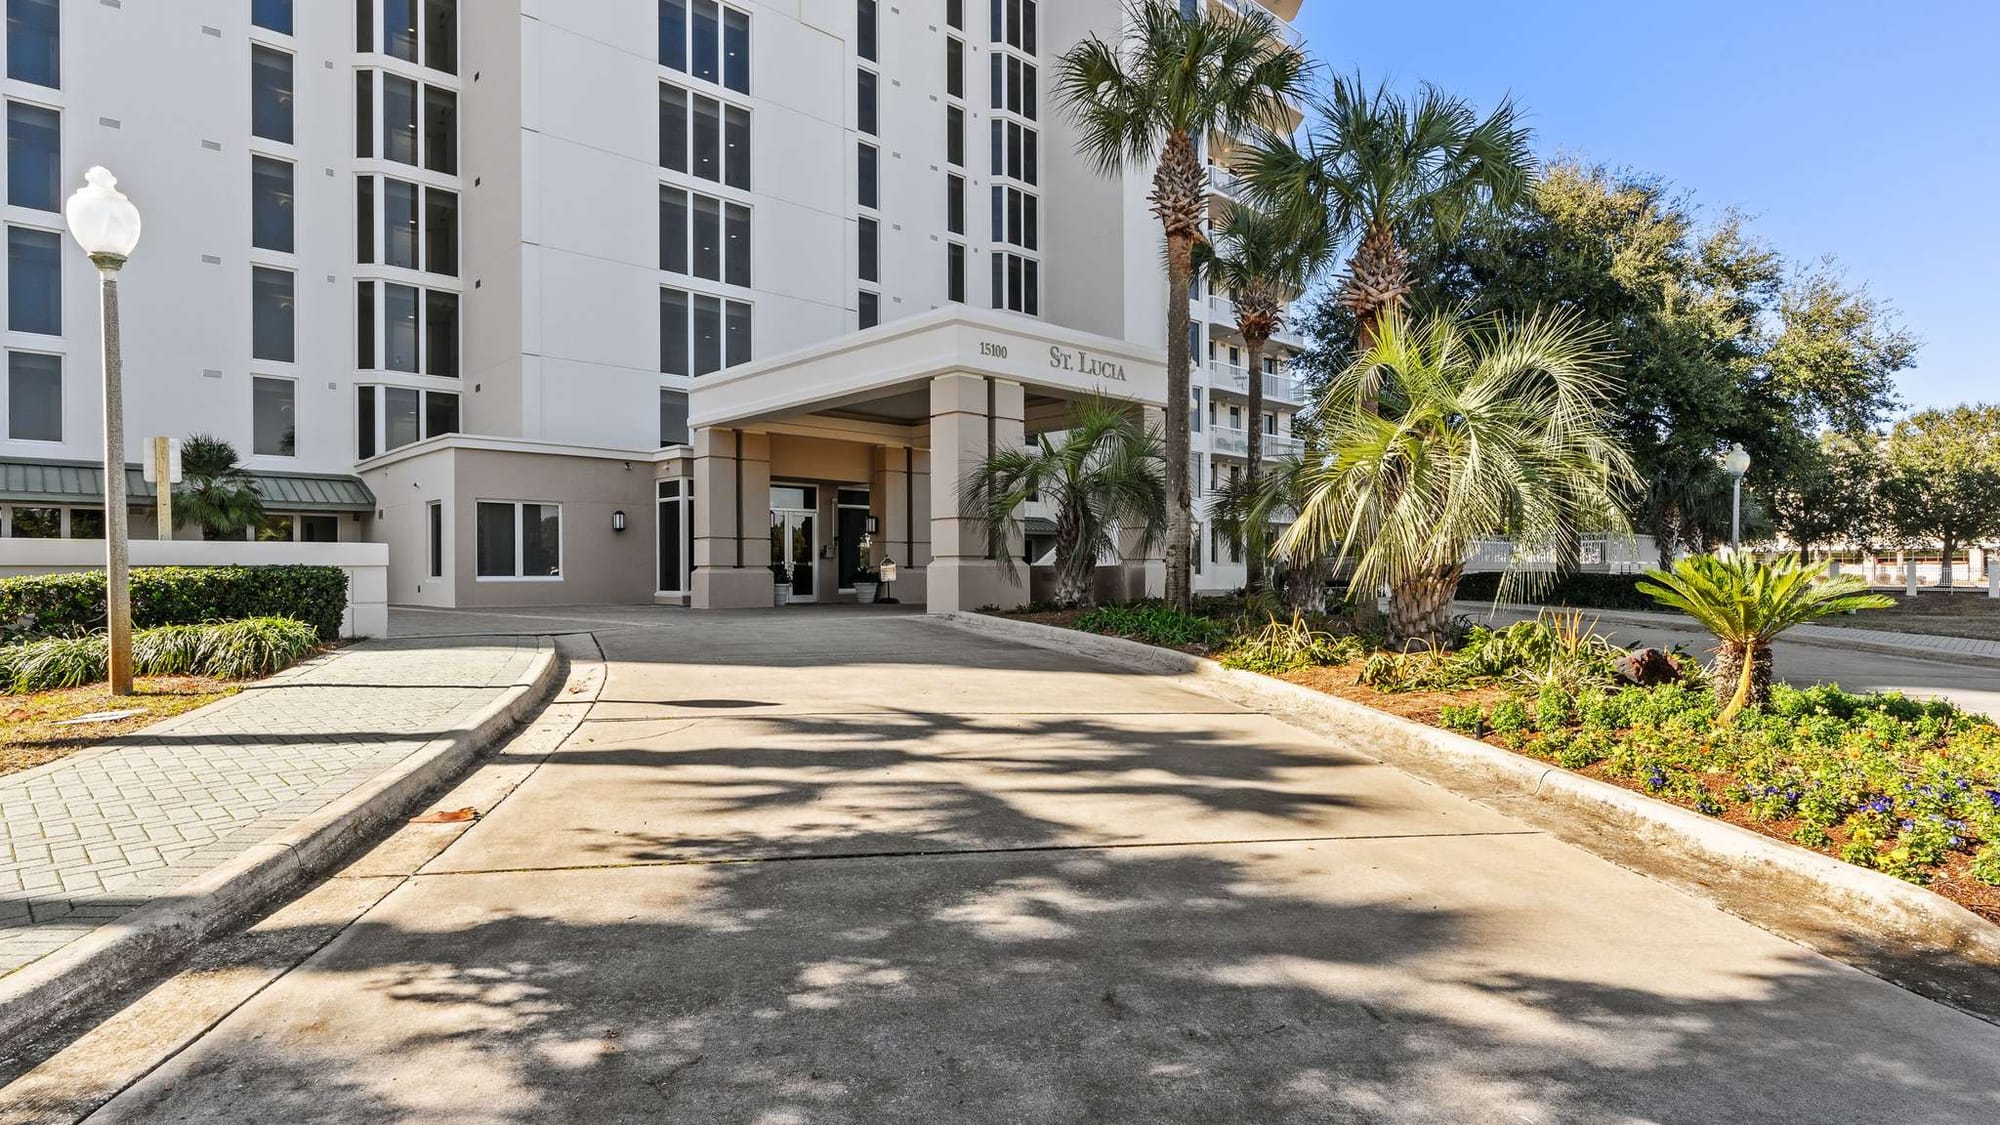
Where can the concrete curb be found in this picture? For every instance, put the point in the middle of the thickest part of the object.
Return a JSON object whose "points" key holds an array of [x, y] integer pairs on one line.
{"points": [[150, 938], [1881, 642], [1896, 930]]}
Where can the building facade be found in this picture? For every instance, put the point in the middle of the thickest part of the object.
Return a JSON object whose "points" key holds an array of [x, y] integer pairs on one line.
{"points": [[448, 274]]}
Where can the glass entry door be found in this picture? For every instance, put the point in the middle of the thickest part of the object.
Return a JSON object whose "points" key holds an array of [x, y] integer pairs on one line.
{"points": [[795, 538]]}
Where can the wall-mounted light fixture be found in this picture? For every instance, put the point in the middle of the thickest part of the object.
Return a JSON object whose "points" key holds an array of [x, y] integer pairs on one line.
{"points": [[618, 521]]}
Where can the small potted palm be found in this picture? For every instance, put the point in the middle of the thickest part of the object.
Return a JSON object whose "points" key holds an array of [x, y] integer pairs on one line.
{"points": [[781, 584], [867, 584]]}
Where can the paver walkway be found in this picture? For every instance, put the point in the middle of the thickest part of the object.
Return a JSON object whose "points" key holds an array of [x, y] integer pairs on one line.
{"points": [[85, 839], [814, 866], [1923, 645]]}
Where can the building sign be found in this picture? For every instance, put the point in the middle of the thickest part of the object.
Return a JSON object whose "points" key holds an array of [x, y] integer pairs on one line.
{"points": [[1085, 364]]}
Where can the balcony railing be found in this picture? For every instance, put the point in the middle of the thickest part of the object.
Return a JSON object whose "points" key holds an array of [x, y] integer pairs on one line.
{"points": [[1291, 35], [1278, 387], [1223, 182], [1232, 442]]}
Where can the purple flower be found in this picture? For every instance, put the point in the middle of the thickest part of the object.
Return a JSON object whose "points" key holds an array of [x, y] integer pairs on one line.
{"points": [[1993, 795], [1879, 804]]}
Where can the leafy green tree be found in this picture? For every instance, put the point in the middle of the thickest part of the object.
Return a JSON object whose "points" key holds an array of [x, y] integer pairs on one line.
{"points": [[1250, 510], [215, 492], [1264, 264], [1143, 102], [1377, 168], [1832, 494], [1943, 479], [1100, 477], [1747, 604], [1442, 432]]}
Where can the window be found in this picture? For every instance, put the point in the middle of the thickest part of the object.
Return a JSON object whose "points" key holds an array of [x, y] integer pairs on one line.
{"points": [[954, 204], [954, 135], [870, 308], [399, 119], [34, 41], [864, 28], [399, 29], [34, 281], [704, 136], [441, 334], [272, 332], [274, 529], [676, 530], [707, 53], [34, 157], [271, 94], [674, 34], [271, 204], [440, 130], [86, 523], [716, 40], [272, 15], [387, 418], [364, 325], [700, 334], [954, 258], [673, 417], [516, 540], [870, 250], [954, 13], [702, 236], [441, 231], [1015, 217], [34, 397], [364, 113], [868, 176], [434, 520], [273, 417], [954, 67], [736, 50], [441, 35], [1013, 83], [1020, 24], [1017, 284], [1194, 410], [419, 328], [865, 102], [35, 523], [400, 224]]}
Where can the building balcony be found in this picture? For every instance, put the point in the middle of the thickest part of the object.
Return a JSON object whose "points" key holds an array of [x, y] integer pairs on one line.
{"points": [[1283, 11], [1223, 182], [1278, 387], [1229, 441]]}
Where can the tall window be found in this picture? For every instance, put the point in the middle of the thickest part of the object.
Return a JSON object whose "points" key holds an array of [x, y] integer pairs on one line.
{"points": [[271, 94], [705, 137], [864, 28], [34, 157], [954, 67], [954, 204], [271, 204], [434, 520], [705, 237], [34, 42], [706, 40], [673, 417], [517, 540], [273, 333], [700, 334], [865, 102], [387, 418], [273, 416], [34, 281], [424, 32], [676, 549], [870, 249], [34, 397], [272, 15], [868, 175], [870, 309], [954, 259], [954, 135], [418, 329], [954, 13]]}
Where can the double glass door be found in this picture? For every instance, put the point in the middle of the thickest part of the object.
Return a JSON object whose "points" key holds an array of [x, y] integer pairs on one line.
{"points": [[795, 538]]}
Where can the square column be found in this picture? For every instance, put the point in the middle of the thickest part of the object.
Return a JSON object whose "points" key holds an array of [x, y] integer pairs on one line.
{"points": [[969, 416], [732, 519], [899, 499]]}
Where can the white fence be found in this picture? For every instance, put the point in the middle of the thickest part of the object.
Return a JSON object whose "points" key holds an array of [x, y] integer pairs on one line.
{"points": [[366, 564]]}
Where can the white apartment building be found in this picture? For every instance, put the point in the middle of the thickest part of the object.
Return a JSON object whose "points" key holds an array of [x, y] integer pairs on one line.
{"points": [[525, 288]]}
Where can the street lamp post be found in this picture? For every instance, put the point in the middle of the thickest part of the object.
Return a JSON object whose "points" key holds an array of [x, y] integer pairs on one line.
{"points": [[106, 225], [1736, 463]]}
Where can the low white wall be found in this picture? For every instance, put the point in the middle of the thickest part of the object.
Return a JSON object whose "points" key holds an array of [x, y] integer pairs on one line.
{"points": [[366, 564]]}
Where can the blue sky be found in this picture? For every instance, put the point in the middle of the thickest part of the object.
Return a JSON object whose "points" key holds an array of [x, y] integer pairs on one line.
{"points": [[1868, 131]]}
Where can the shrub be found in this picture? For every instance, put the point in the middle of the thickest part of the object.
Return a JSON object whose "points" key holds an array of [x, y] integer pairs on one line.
{"points": [[1584, 591], [1283, 646], [230, 650], [1155, 624], [66, 604]]}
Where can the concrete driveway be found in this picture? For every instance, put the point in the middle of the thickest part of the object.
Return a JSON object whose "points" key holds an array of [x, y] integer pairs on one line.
{"points": [[836, 867]]}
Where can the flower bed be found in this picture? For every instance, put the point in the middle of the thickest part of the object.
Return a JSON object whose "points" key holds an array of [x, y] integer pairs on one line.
{"points": [[1910, 788]]}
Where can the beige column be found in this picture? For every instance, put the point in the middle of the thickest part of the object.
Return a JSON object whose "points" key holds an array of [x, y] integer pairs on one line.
{"points": [[969, 415], [898, 498], [732, 519]]}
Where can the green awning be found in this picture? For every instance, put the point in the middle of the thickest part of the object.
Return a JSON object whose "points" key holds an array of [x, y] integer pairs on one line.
{"points": [[82, 482], [1038, 525]]}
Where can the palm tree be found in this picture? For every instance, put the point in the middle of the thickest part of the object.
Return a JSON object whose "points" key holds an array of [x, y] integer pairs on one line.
{"points": [[1376, 167], [1443, 432], [1264, 265], [1146, 100], [1245, 510], [1100, 477], [1747, 604], [215, 491]]}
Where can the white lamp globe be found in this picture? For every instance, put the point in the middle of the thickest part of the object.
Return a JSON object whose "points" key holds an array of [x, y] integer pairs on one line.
{"points": [[1737, 461], [101, 219]]}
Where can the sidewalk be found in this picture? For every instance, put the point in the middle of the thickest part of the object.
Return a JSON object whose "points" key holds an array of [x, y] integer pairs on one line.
{"points": [[89, 838]]}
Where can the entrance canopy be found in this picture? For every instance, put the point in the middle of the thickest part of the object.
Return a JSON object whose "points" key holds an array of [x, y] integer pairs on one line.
{"points": [[902, 411]]}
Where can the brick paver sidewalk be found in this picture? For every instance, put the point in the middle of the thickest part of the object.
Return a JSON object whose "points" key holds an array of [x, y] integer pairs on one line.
{"points": [[88, 838]]}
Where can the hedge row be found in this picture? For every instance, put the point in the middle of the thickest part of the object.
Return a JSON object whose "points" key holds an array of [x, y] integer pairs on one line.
{"points": [[1582, 591], [64, 604]]}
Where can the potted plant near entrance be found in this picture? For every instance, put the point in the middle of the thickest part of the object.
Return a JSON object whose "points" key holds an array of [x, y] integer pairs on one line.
{"points": [[781, 584], [867, 584]]}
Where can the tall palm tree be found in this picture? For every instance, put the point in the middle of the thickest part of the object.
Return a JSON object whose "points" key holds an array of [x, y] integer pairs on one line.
{"points": [[1747, 604], [215, 492], [1146, 100], [1265, 265], [1100, 477], [1443, 432], [1376, 167]]}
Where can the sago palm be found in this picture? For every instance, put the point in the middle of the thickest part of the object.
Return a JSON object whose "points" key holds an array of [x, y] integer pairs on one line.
{"points": [[1747, 604], [216, 492], [1374, 167], [1444, 432], [1100, 479], [1264, 265], [1143, 101]]}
